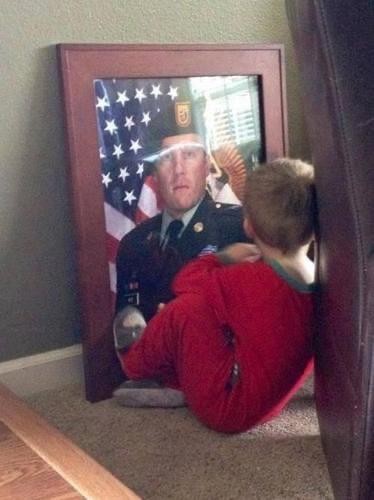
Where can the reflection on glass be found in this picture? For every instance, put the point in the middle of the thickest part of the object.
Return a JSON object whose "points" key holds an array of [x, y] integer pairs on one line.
{"points": [[134, 116]]}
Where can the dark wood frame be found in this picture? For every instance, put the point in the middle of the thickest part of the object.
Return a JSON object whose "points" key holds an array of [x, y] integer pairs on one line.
{"points": [[79, 65]]}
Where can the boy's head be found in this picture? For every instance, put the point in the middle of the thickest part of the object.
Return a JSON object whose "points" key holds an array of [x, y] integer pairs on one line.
{"points": [[279, 204]]}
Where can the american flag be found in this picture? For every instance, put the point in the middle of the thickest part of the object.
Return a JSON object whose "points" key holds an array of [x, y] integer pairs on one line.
{"points": [[125, 110]]}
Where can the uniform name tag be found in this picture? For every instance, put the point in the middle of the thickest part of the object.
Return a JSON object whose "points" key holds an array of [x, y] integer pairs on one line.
{"points": [[132, 298]]}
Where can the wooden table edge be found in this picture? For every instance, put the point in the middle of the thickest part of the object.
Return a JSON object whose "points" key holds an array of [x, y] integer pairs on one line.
{"points": [[86, 475]]}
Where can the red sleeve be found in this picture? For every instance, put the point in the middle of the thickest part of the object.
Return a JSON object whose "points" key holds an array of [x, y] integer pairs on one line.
{"points": [[218, 282], [196, 275]]}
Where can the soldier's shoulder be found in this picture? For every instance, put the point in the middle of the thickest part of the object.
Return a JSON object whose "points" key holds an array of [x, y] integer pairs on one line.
{"points": [[228, 210], [143, 229]]}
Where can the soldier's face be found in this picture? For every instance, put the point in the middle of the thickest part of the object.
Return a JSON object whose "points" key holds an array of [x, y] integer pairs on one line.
{"points": [[181, 172]]}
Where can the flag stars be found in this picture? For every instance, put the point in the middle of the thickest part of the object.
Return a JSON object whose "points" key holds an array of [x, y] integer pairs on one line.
{"points": [[111, 126], [173, 92], [140, 169], [101, 153], [123, 174], [139, 94], [122, 97], [106, 179], [129, 197], [156, 91], [118, 151], [146, 118], [135, 146], [102, 102], [129, 123]]}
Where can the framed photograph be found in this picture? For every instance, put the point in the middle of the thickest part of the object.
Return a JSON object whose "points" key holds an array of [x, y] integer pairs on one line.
{"points": [[227, 104]]}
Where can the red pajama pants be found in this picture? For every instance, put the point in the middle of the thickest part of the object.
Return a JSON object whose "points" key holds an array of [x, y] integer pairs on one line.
{"points": [[186, 347]]}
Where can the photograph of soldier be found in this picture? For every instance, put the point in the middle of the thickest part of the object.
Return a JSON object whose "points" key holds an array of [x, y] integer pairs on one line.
{"points": [[190, 224]]}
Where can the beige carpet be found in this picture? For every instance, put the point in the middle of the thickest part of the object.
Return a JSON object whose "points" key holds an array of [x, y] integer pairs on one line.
{"points": [[167, 454]]}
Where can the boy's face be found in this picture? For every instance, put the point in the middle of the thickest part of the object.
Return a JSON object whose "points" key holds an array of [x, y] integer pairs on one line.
{"points": [[181, 172]]}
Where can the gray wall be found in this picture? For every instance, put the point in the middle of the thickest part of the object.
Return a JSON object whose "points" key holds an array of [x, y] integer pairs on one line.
{"points": [[39, 309]]}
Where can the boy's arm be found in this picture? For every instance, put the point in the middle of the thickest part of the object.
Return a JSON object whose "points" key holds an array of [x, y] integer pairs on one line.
{"points": [[194, 275], [197, 274], [239, 252]]}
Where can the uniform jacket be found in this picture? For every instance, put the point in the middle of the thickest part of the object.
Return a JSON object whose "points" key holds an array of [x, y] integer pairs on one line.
{"points": [[145, 271]]}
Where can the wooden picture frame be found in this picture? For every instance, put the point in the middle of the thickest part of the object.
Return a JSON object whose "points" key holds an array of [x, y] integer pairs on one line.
{"points": [[80, 66]]}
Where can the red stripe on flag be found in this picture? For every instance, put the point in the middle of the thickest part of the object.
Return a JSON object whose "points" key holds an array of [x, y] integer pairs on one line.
{"points": [[111, 247], [140, 216]]}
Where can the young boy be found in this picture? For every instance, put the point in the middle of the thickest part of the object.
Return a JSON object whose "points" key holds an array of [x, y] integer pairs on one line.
{"points": [[237, 339]]}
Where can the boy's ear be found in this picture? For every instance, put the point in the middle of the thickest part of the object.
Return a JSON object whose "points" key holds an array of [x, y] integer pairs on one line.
{"points": [[248, 228]]}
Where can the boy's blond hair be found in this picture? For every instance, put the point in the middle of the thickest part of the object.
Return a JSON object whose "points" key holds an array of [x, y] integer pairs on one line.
{"points": [[280, 203]]}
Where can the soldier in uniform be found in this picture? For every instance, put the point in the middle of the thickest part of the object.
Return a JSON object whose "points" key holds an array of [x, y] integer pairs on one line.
{"points": [[191, 223]]}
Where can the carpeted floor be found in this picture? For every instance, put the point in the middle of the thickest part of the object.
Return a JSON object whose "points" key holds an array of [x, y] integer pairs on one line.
{"points": [[167, 454]]}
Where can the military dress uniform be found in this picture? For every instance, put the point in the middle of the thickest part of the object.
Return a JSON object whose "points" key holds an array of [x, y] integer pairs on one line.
{"points": [[145, 269]]}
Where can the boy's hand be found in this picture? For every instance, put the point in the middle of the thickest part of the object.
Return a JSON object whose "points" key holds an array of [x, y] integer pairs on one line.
{"points": [[239, 252]]}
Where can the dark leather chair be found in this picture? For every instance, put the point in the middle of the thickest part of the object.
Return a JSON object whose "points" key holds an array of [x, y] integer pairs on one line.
{"points": [[334, 44]]}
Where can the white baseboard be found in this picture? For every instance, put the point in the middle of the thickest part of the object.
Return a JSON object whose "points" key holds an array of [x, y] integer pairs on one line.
{"points": [[40, 372]]}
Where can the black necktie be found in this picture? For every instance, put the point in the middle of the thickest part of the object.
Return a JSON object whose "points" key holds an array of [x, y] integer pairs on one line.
{"points": [[172, 232]]}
